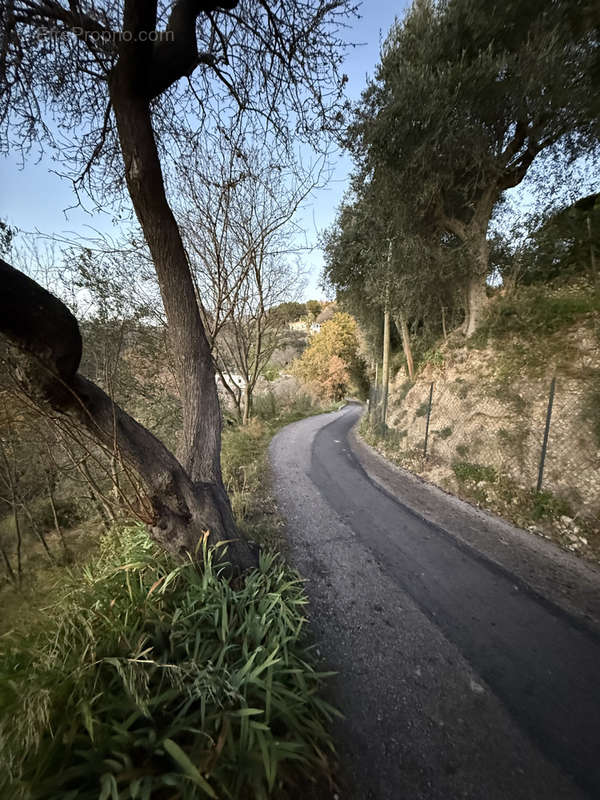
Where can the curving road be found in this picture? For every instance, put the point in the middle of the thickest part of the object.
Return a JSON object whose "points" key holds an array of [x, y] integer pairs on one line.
{"points": [[468, 652]]}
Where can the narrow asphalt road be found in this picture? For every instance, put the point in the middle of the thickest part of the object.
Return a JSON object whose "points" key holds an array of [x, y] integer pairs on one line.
{"points": [[462, 673]]}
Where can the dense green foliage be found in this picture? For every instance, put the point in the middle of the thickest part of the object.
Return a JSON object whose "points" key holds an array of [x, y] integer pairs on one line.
{"points": [[563, 246], [151, 679], [466, 96]]}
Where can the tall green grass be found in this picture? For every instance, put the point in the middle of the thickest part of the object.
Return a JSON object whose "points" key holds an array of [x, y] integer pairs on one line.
{"points": [[149, 679]]}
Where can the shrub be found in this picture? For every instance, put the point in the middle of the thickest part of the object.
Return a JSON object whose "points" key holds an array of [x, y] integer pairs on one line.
{"points": [[467, 472], [545, 505], [151, 679], [434, 357], [265, 406], [422, 409], [535, 311]]}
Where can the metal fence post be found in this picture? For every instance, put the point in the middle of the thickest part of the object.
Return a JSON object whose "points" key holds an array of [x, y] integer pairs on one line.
{"points": [[546, 434], [428, 418]]}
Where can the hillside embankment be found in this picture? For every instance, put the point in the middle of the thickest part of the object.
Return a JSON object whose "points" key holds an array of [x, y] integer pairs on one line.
{"points": [[486, 423]]}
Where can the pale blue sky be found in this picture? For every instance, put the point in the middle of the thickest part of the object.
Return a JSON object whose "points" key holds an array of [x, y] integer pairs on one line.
{"points": [[34, 197]]}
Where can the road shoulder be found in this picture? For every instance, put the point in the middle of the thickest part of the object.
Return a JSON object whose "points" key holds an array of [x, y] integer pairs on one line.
{"points": [[419, 722], [562, 578]]}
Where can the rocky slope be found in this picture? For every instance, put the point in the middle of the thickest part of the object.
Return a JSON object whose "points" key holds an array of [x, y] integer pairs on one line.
{"points": [[489, 410]]}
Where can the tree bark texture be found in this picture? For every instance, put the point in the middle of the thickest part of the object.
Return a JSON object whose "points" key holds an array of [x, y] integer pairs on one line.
{"points": [[247, 404], [477, 299]]}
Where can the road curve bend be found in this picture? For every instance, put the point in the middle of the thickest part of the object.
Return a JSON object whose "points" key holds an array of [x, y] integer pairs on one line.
{"points": [[463, 672]]}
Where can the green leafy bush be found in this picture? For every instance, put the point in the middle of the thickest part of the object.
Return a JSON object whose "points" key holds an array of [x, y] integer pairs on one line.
{"points": [[150, 679], [467, 472]]}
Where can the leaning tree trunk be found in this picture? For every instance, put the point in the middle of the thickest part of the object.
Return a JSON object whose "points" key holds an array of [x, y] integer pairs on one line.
{"points": [[46, 354], [200, 446]]}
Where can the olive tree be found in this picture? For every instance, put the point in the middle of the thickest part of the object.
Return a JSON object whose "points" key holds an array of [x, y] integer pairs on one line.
{"points": [[467, 95]]}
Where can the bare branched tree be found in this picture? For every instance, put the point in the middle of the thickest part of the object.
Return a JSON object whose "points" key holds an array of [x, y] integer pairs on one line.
{"points": [[239, 223]]}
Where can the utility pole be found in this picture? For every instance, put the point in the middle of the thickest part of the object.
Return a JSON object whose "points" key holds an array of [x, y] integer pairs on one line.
{"points": [[385, 376]]}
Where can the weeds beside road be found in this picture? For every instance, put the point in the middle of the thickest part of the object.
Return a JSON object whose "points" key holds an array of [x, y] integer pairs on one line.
{"points": [[129, 675]]}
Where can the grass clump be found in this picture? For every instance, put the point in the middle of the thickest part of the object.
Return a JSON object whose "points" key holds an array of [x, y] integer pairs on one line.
{"points": [[535, 311], [466, 472], [149, 679], [546, 505]]}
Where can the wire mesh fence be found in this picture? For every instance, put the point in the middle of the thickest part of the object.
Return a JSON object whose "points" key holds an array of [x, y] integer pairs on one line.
{"points": [[505, 443]]}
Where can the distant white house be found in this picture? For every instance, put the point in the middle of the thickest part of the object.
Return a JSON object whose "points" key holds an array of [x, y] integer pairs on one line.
{"points": [[323, 317], [314, 327], [299, 325]]}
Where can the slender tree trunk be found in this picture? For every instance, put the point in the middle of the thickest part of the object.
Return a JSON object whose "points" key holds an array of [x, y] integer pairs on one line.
{"points": [[9, 570], [11, 481], [385, 372], [57, 526], [36, 529], [444, 331], [114, 475], [404, 335], [200, 450], [19, 536], [247, 404], [593, 270]]}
